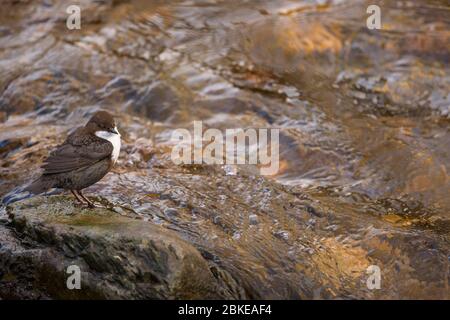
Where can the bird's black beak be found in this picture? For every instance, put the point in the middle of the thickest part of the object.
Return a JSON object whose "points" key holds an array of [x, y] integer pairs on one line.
{"points": [[114, 130]]}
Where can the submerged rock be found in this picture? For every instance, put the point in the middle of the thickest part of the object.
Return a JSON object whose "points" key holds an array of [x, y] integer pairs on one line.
{"points": [[119, 257]]}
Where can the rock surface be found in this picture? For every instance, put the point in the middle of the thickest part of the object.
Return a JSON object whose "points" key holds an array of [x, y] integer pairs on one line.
{"points": [[119, 257]]}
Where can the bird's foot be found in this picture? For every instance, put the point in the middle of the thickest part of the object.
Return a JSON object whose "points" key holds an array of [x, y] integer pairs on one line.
{"points": [[83, 199], [92, 205], [86, 205]]}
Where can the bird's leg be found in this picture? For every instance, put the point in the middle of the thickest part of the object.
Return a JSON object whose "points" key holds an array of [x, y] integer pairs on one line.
{"points": [[77, 197], [89, 202]]}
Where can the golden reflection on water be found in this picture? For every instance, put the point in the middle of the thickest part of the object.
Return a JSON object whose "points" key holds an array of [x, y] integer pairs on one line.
{"points": [[363, 118]]}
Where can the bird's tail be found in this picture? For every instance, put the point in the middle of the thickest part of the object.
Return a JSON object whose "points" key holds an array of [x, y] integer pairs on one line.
{"points": [[39, 186]]}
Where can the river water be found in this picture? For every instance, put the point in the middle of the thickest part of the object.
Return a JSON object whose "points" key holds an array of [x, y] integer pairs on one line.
{"points": [[363, 116]]}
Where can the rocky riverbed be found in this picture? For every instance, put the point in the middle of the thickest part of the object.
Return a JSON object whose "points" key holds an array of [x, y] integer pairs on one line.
{"points": [[269, 242], [364, 139]]}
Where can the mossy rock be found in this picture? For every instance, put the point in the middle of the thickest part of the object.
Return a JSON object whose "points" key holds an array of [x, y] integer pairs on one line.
{"points": [[119, 257]]}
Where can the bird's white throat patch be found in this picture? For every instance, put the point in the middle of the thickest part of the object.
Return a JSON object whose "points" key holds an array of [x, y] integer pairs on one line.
{"points": [[114, 139]]}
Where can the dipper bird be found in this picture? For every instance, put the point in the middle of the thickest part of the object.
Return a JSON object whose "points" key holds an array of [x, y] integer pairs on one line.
{"points": [[86, 156]]}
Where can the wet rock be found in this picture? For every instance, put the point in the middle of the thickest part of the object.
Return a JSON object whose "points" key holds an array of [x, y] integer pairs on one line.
{"points": [[45, 91], [119, 257], [282, 234], [253, 219], [158, 102], [9, 145], [171, 213]]}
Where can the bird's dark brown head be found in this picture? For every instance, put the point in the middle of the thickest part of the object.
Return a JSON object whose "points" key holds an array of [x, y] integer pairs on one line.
{"points": [[102, 121]]}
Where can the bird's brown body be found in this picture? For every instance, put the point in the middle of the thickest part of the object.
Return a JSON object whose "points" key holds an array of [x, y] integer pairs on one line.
{"points": [[82, 160]]}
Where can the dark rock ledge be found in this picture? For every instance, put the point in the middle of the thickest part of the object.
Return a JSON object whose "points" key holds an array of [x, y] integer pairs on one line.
{"points": [[119, 257]]}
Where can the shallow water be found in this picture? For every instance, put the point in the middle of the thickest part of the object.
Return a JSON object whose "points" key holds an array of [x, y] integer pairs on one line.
{"points": [[363, 115]]}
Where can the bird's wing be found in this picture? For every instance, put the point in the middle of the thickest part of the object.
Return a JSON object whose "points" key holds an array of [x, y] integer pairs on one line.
{"points": [[75, 154]]}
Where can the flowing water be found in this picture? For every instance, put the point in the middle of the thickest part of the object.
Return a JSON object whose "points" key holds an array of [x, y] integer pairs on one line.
{"points": [[363, 116]]}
